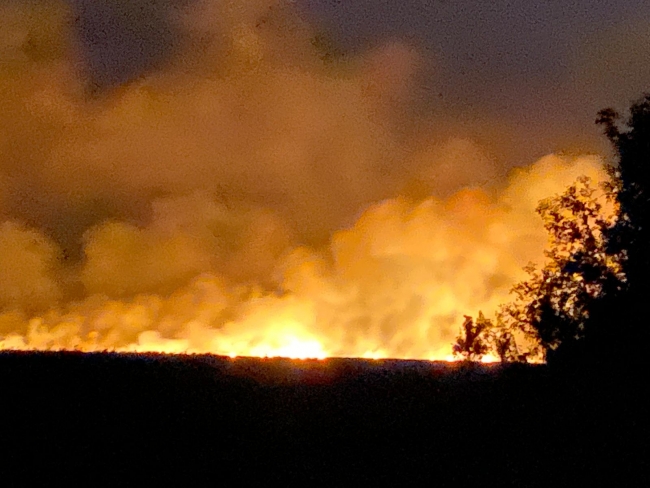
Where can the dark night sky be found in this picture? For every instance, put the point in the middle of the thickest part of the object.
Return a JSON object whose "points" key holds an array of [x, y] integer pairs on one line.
{"points": [[532, 64]]}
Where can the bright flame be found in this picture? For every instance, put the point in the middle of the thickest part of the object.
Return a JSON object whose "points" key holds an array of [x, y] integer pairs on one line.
{"points": [[291, 347], [489, 358], [396, 285], [297, 146]]}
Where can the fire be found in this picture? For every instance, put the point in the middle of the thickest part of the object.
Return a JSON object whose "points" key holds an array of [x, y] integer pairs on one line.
{"points": [[395, 285], [489, 358], [208, 207], [291, 347]]}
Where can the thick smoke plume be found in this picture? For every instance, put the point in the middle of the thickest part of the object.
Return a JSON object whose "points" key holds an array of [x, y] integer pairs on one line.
{"points": [[254, 196]]}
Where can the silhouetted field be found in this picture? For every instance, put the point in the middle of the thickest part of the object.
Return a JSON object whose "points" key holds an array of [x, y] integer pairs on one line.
{"points": [[204, 420]]}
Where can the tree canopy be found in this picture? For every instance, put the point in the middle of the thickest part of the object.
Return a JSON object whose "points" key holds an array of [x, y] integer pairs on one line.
{"points": [[631, 234], [588, 298]]}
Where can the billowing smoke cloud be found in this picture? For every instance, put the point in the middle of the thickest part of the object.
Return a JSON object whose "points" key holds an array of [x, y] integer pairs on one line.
{"points": [[185, 237], [28, 263], [255, 196]]}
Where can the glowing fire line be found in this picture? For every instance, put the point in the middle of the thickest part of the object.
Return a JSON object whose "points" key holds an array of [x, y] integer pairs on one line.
{"points": [[395, 285]]}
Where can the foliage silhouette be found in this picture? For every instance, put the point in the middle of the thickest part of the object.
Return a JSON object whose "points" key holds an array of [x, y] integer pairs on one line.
{"points": [[557, 301], [631, 234], [484, 336], [588, 300], [623, 313], [472, 343], [551, 309]]}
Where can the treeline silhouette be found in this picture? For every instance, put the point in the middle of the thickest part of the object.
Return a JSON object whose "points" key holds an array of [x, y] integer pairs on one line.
{"points": [[588, 302]]}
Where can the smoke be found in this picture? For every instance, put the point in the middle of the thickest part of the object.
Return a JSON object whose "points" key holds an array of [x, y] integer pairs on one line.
{"points": [[185, 237], [27, 268], [253, 196]]}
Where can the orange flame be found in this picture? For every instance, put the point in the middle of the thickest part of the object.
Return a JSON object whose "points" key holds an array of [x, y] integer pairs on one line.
{"points": [[315, 141], [396, 285]]}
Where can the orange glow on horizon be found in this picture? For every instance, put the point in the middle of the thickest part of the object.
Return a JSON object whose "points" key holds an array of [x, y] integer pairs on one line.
{"points": [[394, 285], [289, 345]]}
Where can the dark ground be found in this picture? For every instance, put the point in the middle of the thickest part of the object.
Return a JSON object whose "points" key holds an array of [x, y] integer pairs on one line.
{"points": [[205, 420]]}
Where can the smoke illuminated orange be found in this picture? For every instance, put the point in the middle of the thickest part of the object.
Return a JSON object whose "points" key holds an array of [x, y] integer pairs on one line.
{"points": [[396, 284], [212, 202]]}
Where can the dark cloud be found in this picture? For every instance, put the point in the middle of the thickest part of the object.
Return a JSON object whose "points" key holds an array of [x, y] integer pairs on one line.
{"points": [[539, 71], [526, 67], [122, 40]]}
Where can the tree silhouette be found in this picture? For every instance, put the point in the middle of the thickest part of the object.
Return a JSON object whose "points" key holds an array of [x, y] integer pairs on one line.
{"points": [[472, 343], [476, 339], [555, 304], [589, 298], [630, 236], [550, 314]]}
